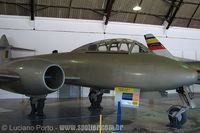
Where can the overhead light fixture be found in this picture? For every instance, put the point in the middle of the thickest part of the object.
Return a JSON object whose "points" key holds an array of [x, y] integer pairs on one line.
{"points": [[137, 8]]}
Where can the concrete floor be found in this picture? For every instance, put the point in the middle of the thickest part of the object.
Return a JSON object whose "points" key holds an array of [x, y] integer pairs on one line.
{"points": [[151, 117]]}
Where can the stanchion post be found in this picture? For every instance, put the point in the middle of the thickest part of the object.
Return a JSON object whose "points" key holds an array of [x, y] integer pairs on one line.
{"points": [[100, 123], [118, 124]]}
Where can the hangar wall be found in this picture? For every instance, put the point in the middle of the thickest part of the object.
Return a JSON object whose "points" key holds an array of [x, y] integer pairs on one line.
{"points": [[47, 34]]}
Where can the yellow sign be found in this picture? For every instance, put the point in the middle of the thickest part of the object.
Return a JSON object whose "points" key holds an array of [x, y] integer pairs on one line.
{"points": [[121, 89]]}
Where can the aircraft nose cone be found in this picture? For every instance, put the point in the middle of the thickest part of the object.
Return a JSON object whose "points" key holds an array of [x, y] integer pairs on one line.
{"points": [[175, 74]]}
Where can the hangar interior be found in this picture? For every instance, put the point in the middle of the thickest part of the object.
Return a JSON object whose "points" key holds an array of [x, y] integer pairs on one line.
{"points": [[64, 25]]}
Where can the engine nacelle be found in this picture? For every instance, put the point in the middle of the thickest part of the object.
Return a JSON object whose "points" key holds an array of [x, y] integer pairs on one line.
{"points": [[37, 76]]}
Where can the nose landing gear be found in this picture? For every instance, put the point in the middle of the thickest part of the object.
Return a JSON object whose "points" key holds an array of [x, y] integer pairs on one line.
{"points": [[95, 97], [177, 114]]}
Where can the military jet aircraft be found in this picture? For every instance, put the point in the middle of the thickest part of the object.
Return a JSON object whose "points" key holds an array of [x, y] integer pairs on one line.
{"points": [[100, 65]]}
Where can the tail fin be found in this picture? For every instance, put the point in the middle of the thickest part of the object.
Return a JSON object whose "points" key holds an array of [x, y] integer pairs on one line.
{"points": [[5, 49], [5, 52], [155, 45]]}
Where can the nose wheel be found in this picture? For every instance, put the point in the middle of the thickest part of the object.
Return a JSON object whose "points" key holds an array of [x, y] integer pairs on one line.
{"points": [[177, 114]]}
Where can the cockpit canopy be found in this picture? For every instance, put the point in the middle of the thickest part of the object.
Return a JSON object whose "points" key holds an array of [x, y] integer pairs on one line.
{"points": [[119, 45]]}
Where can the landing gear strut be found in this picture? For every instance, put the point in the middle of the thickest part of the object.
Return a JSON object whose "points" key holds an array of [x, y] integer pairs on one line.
{"points": [[37, 106], [95, 97], [177, 114]]}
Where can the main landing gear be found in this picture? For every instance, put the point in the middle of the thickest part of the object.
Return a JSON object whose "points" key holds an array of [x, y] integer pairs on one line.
{"points": [[177, 114], [95, 97], [37, 107]]}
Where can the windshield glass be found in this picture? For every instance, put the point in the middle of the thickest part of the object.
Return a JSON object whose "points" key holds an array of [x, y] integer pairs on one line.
{"points": [[115, 45]]}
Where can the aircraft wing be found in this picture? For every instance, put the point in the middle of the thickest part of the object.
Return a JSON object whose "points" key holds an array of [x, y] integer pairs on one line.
{"points": [[22, 49], [72, 80]]}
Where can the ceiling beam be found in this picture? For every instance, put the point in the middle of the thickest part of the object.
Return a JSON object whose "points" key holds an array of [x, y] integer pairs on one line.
{"points": [[186, 2], [137, 12], [140, 13], [172, 5], [108, 10], [42, 8], [171, 18], [69, 9], [32, 9], [193, 15]]}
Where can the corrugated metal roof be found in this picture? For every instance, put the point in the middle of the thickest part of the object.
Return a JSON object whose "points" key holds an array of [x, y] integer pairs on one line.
{"points": [[155, 7], [125, 5], [186, 10], [93, 4], [153, 11], [123, 17], [84, 14]]}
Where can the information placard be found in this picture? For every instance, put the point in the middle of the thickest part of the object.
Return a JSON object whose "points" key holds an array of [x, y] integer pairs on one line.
{"points": [[129, 97]]}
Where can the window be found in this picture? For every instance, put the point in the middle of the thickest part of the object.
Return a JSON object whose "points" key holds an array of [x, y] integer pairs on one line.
{"points": [[113, 48], [102, 48], [135, 49], [124, 47], [92, 48]]}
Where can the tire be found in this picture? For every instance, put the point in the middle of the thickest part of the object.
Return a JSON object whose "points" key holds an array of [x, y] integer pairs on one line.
{"points": [[181, 120], [91, 98], [99, 99]]}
